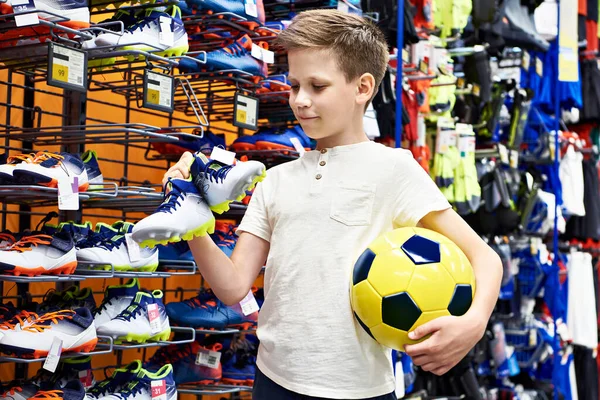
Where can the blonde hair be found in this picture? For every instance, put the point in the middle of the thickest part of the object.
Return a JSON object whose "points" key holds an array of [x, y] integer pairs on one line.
{"points": [[357, 43]]}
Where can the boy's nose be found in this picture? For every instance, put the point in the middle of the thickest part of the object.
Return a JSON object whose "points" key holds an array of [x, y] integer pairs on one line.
{"points": [[302, 100]]}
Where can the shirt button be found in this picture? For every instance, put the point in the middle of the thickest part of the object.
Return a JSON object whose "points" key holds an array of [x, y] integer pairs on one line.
{"points": [[319, 176], [323, 151], [322, 163]]}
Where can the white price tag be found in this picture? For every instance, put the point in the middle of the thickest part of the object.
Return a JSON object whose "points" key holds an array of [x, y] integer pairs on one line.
{"points": [[268, 56], [159, 90], [166, 36], [526, 60], [246, 111], [251, 9], [26, 19], [159, 390], [249, 304], [133, 248], [503, 154], [539, 66], [445, 139], [154, 317], [68, 193], [68, 66], [223, 156], [342, 6], [208, 358], [298, 146], [53, 355], [257, 52]]}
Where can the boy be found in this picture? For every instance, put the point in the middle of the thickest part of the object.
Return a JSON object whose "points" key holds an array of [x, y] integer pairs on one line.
{"points": [[311, 218]]}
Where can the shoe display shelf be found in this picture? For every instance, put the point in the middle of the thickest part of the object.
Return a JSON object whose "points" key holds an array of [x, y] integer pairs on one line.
{"points": [[208, 390]]}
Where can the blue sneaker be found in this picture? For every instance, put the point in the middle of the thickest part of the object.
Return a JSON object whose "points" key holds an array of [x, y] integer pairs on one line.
{"points": [[79, 232], [186, 370], [95, 178], [119, 379], [236, 56], [188, 142], [140, 387], [116, 299], [239, 362], [237, 7], [283, 141], [248, 143], [208, 312], [72, 390], [175, 251]]}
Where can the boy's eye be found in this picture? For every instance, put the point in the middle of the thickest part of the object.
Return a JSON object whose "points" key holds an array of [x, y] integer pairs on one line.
{"points": [[318, 87], [295, 87]]}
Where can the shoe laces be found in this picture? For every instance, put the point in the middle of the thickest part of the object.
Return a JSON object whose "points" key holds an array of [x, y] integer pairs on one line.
{"points": [[217, 174], [104, 305], [18, 158], [171, 198], [48, 394], [42, 156], [20, 320], [28, 242], [134, 309], [131, 389], [12, 391], [45, 321], [235, 49]]}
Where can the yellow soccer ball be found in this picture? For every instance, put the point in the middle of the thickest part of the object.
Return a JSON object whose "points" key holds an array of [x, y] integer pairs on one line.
{"points": [[406, 278]]}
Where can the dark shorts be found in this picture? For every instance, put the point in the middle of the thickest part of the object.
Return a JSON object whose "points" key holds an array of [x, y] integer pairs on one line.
{"points": [[266, 389]]}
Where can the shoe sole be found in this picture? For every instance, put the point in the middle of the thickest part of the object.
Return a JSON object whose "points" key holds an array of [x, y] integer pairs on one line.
{"points": [[238, 382], [33, 353], [145, 268], [243, 147], [224, 207], [203, 230], [33, 178], [42, 32], [132, 337], [17, 270], [264, 145], [171, 52]]}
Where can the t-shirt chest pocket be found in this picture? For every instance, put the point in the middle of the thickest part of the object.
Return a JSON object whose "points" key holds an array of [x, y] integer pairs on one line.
{"points": [[352, 203]]}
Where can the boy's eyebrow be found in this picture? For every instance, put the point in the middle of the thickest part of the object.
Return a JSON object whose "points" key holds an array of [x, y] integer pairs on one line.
{"points": [[310, 77]]}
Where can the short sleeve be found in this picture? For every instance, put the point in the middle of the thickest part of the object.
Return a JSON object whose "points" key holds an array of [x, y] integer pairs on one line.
{"points": [[256, 218], [416, 194]]}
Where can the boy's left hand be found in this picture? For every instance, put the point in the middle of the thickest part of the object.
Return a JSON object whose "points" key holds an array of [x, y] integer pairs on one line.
{"points": [[450, 341]]}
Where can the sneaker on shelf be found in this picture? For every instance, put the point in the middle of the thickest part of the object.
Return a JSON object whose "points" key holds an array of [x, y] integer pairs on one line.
{"points": [[22, 391], [120, 378], [47, 169], [251, 13], [224, 236], [236, 56], [208, 312], [115, 251], [74, 327], [7, 311], [6, 169], [79, 232], [182, 215], [275, 83], [239, 362], [248, 142], [283, 141], [179, 251], [38, 254], [7, 239], [127, 17], [186, 370], [73, 390], [141, 385], [188, 142], [95, 178], [76, 368], [116, 299], [147, 35], [223, 184], [133, 323], [73, 14]]}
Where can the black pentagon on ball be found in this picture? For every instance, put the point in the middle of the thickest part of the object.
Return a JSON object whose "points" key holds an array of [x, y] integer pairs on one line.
{"points": [[363, 266], [366, 328], [400, 311], [461, 300], [422, 250]]}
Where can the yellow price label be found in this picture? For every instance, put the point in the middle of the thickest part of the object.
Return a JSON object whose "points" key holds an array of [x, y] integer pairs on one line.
{"points": [[423, 67], [153, 96], [241, 116], [405, 56], [460, 83], [476, 90], [60, 72]]}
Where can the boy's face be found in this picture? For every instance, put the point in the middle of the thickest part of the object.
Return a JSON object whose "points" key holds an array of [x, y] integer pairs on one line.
{"points": [[322, 100]]}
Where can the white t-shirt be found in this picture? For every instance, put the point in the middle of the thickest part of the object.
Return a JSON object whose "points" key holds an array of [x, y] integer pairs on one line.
{"points": [[581, 308], [319, 213]]}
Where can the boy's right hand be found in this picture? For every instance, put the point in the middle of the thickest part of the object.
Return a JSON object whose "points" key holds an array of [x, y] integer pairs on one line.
{"points": [[181, 170]]}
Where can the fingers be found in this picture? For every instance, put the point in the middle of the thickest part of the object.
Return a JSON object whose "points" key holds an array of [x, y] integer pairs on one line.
{"points": [[425, 329], [181, 170]]}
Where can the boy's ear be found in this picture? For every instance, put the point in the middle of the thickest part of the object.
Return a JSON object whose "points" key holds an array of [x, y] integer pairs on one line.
{"points": [[365, 88]]}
